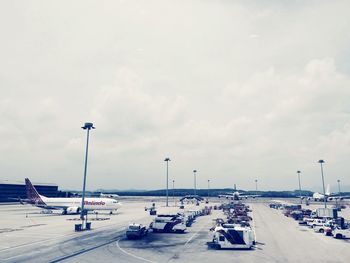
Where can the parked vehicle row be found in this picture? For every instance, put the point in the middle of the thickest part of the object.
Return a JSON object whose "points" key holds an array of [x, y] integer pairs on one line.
{"points": [[321, 220]]}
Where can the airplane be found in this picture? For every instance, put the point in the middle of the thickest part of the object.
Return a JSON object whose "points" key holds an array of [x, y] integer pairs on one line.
{"points": [[328, 195], [68, 205], [114, 196], [236, 195]]}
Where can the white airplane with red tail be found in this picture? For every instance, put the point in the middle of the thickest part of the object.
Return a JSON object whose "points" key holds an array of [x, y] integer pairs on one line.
{"points": [[68, 205]]}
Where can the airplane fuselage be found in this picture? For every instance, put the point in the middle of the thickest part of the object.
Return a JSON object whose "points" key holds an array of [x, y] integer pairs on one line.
{"points": [[89, 203]]}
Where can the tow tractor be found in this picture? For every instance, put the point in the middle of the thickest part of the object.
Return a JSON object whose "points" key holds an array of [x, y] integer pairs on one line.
{"points": [[136, 231]]}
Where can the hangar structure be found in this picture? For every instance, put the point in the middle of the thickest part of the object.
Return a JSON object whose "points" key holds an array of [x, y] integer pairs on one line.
{"points": [[16, 189]]}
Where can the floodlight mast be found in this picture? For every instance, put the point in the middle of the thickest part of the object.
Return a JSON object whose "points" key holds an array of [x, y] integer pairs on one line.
{"points": [[321, 162], [208, 189], [87, 126], [301, 199], [167, 160], [174, 192], [195, 182]]}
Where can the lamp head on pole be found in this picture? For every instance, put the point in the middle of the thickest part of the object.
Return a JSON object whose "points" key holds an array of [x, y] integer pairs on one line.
{"points": [[338, 181], [88, 126], [320, 161], [298, 172], [194, 171], [167, 159]]}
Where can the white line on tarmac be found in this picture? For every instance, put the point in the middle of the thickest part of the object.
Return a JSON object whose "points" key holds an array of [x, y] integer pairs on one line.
{"points": [[132, 255], [17, 256], [50, 239], [54, 245], [24, 234], [196, 233], [253, 219]]}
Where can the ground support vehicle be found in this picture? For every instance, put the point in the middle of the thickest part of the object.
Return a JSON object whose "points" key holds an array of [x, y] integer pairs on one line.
{"points": [[232, 236], [136, 231], [325, 228], [316, 222], [341, 233], [168, 224]]}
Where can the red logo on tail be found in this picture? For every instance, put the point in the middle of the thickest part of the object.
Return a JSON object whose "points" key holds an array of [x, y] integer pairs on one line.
{"points": [[32, 193]]}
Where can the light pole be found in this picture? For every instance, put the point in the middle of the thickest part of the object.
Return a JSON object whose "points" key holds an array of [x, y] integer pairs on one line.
{"points": [[301, 199], [195, 183], [167, 180], [338, 186], [337, 204], [256, 186], [321, 162], [87, 126], [208, 189], [174, 192]]}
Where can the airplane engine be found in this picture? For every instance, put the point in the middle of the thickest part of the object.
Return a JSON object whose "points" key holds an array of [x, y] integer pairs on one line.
{"points": [[73, 210]]}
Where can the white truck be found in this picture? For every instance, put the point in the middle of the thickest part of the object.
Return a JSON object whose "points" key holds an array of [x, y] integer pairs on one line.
{"points": [[341, 233], [168, 224], [232, 236]]}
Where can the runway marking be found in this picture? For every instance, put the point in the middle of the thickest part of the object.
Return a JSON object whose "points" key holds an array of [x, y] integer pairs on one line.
{"points": [[132, 255]]}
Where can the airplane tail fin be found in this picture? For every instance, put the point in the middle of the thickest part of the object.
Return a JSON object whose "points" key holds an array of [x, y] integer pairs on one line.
{"points": [[328, 190], [32, 194], [235, 188]]}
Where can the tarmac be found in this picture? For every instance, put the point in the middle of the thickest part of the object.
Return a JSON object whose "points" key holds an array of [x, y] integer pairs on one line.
{"points": [[27, 235]]}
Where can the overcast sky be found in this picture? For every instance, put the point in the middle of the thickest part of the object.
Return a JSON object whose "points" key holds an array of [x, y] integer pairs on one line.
{"points": [[239, 90]]}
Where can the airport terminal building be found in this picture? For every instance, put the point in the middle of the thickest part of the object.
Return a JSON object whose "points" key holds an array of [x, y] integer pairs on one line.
{"points": [[16, 189]]}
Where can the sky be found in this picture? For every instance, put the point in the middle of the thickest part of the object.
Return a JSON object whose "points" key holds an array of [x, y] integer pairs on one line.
{"points": [[238, 90]]}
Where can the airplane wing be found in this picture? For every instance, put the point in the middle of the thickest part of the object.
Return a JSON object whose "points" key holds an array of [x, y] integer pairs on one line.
{"points": [[21, 200], [249, 196], [338, 197], [226, 195]]}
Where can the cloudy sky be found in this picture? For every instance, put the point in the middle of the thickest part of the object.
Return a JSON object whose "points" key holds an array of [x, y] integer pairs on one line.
{"points": [[239, 90]]}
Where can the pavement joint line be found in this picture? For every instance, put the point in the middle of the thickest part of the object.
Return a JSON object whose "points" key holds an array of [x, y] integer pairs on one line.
{"points": [[196, 233], [70, 255], [80, 252], [132, 255], [48, 239]]}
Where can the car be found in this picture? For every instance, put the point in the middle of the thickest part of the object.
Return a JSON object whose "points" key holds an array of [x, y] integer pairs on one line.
{"points": [[341, 233], [316, 222], [136, 231], [326, 228]]}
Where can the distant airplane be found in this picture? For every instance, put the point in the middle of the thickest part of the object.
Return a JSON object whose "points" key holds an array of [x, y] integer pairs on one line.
{"points": [[114, 196], [68, 205], [236, 195], [328, 195]]}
